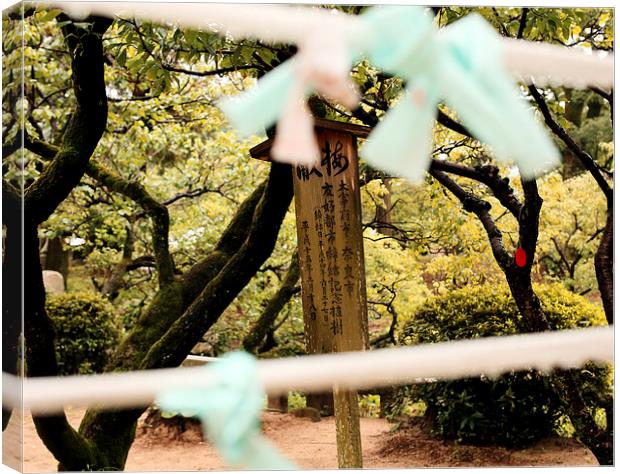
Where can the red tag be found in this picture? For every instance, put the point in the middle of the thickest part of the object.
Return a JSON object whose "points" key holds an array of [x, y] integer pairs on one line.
{"points": [[520, 257]]}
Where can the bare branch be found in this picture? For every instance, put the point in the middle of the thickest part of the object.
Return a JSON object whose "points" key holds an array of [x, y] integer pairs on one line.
{"points": [[487, 175], [584, 157], [480, 207]]}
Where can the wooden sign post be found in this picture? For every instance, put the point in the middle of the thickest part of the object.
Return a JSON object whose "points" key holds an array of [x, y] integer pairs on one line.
{"points": [[329, 236]]}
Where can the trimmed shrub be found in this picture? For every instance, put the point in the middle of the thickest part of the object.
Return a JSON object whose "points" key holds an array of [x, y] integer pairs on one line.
{"points": [[86, 330], [515, 409]]}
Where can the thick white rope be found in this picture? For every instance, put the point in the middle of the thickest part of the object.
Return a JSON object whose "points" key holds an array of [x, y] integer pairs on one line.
{"points": [[528, 61], [271, 23], [547, 64], [355, 370]]}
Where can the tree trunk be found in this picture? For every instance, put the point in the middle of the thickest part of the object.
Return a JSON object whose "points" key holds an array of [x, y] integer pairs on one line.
{"points": [[323, 402], [599, 441], [604, 264], [107, 435], [565, 385], [176, 328], [519, 280], [56, 257], [80, 138], [59, 437], [11, 285], [205, 310], [383, 211], [268, 317], [172, 300]]}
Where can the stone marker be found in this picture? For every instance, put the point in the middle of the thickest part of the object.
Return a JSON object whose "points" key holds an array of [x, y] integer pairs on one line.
{"points": [[53, 282]]}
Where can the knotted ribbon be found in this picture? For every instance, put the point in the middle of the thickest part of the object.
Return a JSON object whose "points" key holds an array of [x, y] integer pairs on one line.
{"points": [[229, 410], [322, 65], [462, 64]]}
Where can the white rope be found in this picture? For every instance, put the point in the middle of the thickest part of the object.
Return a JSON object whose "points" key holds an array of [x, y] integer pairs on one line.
{"points": [[529, 61], [547, 64], [285, 24], [356, 370]]}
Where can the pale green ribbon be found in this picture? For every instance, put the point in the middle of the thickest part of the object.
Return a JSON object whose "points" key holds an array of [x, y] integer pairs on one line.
{"points": [[229, 409], [462, 64]]}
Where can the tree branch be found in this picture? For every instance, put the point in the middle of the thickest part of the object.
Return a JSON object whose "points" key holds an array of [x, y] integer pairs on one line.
{"points": [[264, 323], [212, 72], [389, 306], [134, 191], [487, 175], [39, 147], [522, 22], [156, 211], [85, 127], [584, 157], [452, 124], [174, 345], [172, 301], [480, 207]]}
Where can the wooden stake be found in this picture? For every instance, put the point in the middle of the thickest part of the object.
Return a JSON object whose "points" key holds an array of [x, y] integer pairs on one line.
{"points": [[329, 233], [348, 436], [331, 253]]}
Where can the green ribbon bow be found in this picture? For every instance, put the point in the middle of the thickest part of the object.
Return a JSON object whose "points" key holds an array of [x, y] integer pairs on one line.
{"points": [[229, 409], [462, 64]]}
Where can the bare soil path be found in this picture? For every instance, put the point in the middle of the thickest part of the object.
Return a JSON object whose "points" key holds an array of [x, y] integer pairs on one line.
{"points": [[311, 446]]}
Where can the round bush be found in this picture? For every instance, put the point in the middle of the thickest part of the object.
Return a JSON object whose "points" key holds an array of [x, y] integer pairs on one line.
{"points": [[86, 330], [514, 409]]}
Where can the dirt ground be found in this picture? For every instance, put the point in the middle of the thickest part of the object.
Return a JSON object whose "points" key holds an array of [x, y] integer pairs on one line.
{"points": [[310, 445]]}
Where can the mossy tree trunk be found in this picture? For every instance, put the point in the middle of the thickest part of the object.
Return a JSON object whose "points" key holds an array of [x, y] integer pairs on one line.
{"points": [[170, 327], [205, 289], [184, 307], [81, 135]]}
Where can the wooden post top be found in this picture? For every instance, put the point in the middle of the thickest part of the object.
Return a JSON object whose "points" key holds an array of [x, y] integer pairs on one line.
{"points": [[262, 151]]}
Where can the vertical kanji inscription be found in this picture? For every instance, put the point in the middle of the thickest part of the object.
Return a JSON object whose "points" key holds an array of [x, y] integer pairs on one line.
{"points": [[327, 203], [329, 233]]}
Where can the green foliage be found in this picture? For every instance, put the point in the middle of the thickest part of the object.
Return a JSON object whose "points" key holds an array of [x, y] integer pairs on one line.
{"points": [[86, 330], [567, 244], [369, 406], [296, 400], [516, 408], [165, 131]]}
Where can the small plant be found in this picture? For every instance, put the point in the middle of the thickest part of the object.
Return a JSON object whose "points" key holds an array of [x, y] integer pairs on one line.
{"points": [[86, 330], [370, 406], [296, 400]]}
